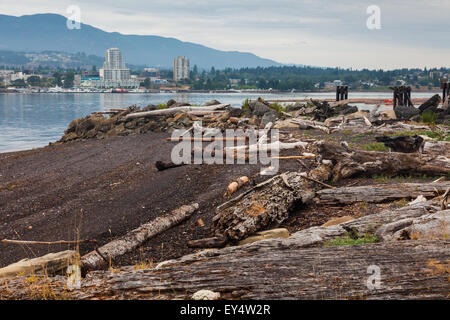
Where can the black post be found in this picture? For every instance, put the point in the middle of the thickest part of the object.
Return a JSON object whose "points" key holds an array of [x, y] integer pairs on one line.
{"points": [[337, 93], [395, 97]]}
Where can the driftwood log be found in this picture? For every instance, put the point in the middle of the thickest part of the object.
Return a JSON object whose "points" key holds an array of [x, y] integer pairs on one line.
{"points": [[171, 111], [136, 237], [349, 163], [414, 270], [380, 193], [161, 165]]}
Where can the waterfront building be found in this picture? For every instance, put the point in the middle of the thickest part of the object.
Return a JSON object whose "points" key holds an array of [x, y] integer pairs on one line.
{"points": [[180, 68], [114, 73]]}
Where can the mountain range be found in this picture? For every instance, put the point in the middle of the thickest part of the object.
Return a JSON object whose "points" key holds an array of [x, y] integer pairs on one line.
{"points": [[49, 32]]}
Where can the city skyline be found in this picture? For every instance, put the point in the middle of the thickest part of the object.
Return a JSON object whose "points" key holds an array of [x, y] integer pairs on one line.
{"points": [[303, 34]]}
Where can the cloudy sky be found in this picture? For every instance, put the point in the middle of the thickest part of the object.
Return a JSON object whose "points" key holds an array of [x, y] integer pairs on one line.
{"points": [[414, 33]]}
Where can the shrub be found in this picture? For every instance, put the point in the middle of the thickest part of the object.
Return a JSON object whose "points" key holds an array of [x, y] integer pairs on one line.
{"points": [[428, 117], [375, 146]]}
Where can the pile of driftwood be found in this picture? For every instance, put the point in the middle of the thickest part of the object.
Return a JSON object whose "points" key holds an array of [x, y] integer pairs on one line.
{"points": [[269, 269]]}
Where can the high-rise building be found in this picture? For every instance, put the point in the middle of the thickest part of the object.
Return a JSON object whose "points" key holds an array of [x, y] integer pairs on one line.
{"points": [[180, 68], [114, 73]]}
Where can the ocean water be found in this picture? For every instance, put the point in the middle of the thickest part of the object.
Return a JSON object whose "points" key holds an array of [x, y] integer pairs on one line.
{"points": [[33, 120]]}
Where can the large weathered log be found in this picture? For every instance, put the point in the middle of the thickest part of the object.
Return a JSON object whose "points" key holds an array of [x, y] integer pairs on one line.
{"points": [[133, 239], [170, 111], [349, 163], [412, 270], [49, 264], [369, 224], [380, 193], [267, 204]]}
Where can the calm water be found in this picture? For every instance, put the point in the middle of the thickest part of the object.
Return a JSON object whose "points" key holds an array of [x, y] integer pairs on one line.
{"points": [[33, 120]]}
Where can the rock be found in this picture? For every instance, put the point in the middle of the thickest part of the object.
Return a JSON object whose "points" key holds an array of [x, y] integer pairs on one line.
{"points": [[179, 104], [270, 116], [346, 109], [254, 121], [212, 103], [336, 221], [268, 234], [405, 112], [431, 104], [206, 295], [88, 123], [50, 264], [150, 107], [294, 107], [258, 109], [170, 103], [69, 137], [236, 112], [322, 111], [72, 126]]}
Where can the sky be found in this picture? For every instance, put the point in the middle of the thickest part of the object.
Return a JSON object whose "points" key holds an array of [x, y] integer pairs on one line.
{"points": [[329, 33]]}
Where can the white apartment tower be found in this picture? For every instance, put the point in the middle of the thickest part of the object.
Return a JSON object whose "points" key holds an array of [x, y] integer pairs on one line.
{"points": [[180, 68], [114, 73]]}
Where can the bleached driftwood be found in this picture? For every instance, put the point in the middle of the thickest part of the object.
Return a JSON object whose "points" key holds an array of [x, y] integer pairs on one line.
{"points": [[170, 111], [380, 193], [313, 124], [136, 237]]}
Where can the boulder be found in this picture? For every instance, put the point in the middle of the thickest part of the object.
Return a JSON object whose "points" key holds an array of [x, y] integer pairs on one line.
{"points": [[206, 295], [431, 104], [170, 103], [270, 116], [405, 112], [258, 108], [72, 126], [346, 109], [150, 107], [236, 112], [212, 103]]}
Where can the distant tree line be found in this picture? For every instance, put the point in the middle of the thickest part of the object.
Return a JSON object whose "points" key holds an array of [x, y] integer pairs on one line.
{"points": [[308, 78]]}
